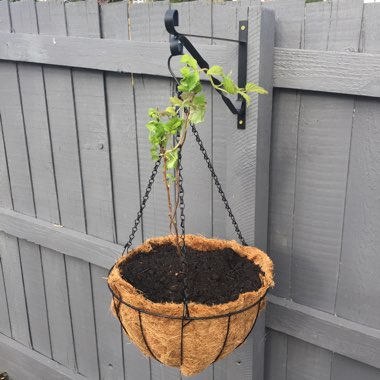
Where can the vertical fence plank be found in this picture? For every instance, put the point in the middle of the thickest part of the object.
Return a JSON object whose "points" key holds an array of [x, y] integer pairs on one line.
{"points": [[224, 25], [347, 369], [32, 90], [289, 22], [283, 176], [13, 130], [82, 314], [317, 16], [276, 348], [79, 272], [122, 126], [323, 151], [149, 92], [51, 21], [345, 25], [108, 329], [32, 93], [5, 21], [5, 201], [289, 34], [370, 29], [57, 299], [5, 326], [70, 319], [83, 20], [307, 362], [12, 136], [14, 285], [5, 189], [324, 141], [92, 122], [31, 263], [22, 193], [359, 283], [125, 168], [62, 118]]}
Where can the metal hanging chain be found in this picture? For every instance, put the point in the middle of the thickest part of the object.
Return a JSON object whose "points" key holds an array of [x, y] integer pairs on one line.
{"points": [[184, 264], [142, 206], [181, 201], [217, 184]]}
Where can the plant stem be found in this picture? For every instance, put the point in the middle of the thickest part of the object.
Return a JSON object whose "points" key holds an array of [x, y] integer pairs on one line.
{"points": [[172, 214]]}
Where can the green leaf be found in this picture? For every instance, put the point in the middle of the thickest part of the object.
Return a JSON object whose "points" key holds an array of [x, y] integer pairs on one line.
{"points": [[200, 100], [197, 88], [189, 61], [153, 152], [173, 125], [185, 71], [153, 113], [175, 101], [171, 111], [251, 87], [215, 70], [246, 97], [151, 125], [154, 139], [229, 85], [197, 115], [172, 159], [157, 135], [189, 82], [183, 87]]}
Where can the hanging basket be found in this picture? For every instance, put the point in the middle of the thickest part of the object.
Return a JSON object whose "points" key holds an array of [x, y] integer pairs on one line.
{"points": [[188, 336]]}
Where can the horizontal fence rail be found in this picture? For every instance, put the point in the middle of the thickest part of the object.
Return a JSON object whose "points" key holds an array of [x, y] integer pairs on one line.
{"points": [[333, 333], [137, 57], [312, 70], [348, 73]]}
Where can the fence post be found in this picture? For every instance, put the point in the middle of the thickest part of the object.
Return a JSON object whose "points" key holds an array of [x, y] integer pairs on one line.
{"points": [[247, 176]]}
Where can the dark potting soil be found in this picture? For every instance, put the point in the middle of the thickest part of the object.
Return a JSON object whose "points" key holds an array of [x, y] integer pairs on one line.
{"points": [[214, 277]]}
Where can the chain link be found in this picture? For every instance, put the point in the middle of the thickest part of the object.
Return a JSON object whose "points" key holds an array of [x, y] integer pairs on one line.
{"points": [[217, 184], [142, 206]]}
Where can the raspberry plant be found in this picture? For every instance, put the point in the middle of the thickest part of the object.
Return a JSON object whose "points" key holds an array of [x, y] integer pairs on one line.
{"points": [[168, 127]]}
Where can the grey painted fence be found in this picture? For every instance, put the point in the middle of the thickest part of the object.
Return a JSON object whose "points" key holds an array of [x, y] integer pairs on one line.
{"points": [[74, 161]]}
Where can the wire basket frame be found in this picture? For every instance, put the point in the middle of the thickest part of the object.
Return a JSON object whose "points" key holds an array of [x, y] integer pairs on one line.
{"points": [[185, 319]]}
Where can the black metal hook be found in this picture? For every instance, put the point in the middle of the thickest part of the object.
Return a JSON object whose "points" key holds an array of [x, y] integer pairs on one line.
{"points": [[178, 41]]}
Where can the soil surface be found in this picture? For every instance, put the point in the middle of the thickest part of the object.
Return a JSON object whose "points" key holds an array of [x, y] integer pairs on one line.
{"points": [[214, 277]]}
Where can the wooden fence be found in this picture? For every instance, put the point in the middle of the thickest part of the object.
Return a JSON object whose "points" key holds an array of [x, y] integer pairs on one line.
{"points": [[76, 79]]}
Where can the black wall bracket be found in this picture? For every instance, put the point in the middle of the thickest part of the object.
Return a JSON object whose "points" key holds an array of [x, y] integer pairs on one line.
{"points": [[179, 41]]}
